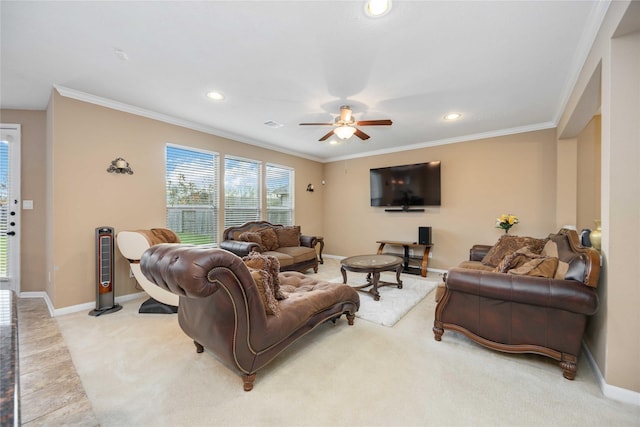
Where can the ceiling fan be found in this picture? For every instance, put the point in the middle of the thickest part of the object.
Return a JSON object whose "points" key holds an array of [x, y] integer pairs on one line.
{"points": [[345, 125]]}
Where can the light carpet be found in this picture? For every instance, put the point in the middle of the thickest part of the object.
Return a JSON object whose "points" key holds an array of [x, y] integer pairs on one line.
{"points": [[394, 303]]}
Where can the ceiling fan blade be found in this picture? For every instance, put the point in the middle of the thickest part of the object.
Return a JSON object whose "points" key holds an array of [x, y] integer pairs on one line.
{"points": [[361, 134], [375, 123], [317, 124], [326, 136]]}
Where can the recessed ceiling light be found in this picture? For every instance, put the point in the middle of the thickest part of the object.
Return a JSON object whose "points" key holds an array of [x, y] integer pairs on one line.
{"points": [[121, 54], [377, 8], [216, 96], [452, 116], [272, 124], [334, 142]]}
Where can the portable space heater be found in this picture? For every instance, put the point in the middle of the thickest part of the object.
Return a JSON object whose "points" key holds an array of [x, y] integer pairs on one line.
{"points": [[105, 290]]}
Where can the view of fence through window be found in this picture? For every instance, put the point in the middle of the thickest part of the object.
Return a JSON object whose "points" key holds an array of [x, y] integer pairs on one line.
{"points": [[192, 194], [241, 191], [279, 195], [193, 211]]}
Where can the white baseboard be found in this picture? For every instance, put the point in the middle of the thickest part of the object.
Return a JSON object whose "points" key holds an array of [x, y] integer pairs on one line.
{"points": [[610, 391], [54, 312]]}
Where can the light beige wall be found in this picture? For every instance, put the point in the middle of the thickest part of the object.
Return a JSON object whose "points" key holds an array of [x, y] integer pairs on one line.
{"points": [[588, 173], [613, 331], [480, 180], [567, 185], [86, 138], [32, 177], [621, 230]]}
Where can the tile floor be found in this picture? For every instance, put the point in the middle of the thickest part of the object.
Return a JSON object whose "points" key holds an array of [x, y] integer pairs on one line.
{"points": [[51, 392]]}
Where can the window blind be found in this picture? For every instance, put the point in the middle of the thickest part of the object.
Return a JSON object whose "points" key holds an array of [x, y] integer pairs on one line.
{"points": [[241, 191], [279, 185], [192, 194]]}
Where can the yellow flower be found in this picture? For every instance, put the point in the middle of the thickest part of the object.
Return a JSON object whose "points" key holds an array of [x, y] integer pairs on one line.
{"points": [[506, 221]]}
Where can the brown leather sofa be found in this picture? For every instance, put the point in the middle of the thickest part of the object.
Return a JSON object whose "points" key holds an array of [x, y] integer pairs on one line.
{"points": [[295, 251], [520, 313], [221, 306]]}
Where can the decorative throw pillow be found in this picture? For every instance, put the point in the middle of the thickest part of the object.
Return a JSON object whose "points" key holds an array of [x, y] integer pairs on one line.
{"points": [[513, 260], [262, 279], [550, 249], [539, 267], [252, 236], [509, 244], [269, 264], [288, 236], [269, 238]]}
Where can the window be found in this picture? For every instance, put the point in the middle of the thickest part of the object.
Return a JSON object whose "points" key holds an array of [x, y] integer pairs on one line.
{"points": [[192, 194], [279, 195], [241, 191]]}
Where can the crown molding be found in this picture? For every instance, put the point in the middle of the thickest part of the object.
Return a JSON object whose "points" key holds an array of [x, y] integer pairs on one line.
{"points": [[165, 118], [464, 138]]}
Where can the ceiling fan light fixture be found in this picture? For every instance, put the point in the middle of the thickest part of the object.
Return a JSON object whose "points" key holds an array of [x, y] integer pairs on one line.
{"points": [[344, 132], [377, 8]]}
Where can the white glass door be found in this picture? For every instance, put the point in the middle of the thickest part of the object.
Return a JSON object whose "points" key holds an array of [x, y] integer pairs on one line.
{"points": [[10, 207]]}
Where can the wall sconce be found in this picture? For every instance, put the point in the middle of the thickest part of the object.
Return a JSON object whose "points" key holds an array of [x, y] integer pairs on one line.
{"points": [[119, 165], [310, 188]]}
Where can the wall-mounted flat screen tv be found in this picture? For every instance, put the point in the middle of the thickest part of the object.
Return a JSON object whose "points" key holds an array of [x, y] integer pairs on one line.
{"points": [[406, 185]]}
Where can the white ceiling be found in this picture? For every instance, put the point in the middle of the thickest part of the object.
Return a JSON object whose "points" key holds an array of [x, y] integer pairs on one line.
{"points": [[506, 66]]}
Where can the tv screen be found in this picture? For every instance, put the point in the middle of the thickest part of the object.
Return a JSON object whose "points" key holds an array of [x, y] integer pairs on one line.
{"points": [[407, 185]]}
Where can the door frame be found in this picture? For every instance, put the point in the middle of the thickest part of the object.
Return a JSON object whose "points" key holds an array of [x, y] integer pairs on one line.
{"points": [[13, 247]]}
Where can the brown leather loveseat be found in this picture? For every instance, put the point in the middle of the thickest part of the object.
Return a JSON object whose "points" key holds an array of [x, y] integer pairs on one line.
{"points": [[294, 250], [237, 309], [524, 295]]}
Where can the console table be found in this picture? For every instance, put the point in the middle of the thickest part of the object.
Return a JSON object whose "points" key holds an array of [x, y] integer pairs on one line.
{"points": [[407, 246]]}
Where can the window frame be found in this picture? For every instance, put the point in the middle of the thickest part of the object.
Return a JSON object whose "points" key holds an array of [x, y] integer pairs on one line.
{"points": [[213, 223]]}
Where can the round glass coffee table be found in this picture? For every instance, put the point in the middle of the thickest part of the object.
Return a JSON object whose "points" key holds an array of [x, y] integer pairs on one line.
{"points": [[373, 265]]}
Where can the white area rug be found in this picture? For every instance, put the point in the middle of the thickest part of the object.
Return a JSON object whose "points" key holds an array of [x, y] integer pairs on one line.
{"points": [[394, 303]]}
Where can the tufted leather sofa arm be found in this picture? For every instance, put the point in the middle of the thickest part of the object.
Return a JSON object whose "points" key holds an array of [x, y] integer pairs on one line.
{"points": [[239, 247]]}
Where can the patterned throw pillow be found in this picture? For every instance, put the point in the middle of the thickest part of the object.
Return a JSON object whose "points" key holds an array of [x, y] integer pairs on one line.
{"points": [[263, 282], [288, 236], [507, 245], [525, 262], [269, 238], [550, 249], [252, 236], [539, 267], [269, 264]]}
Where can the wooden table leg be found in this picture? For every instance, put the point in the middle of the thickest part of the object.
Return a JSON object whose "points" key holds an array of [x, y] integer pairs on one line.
{"points": [[320, 240], [398, 271], [425, 262], [374, 290]]}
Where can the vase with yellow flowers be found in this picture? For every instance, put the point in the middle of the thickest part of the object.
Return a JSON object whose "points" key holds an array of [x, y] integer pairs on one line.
{"points": [[506, 221]]}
